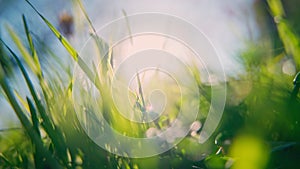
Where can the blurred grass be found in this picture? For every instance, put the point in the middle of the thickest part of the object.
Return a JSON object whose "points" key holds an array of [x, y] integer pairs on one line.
{"points": [[260, 128]]}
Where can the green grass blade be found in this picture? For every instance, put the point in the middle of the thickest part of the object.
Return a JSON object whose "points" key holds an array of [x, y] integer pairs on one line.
{"points": [[103, 48], [296, 88], [29, 83], [25, 121], [5, 61], [46, 49], [27, 57], [2, 74], [67, 46], [128, 25], [289, 39], [34, 118], [4, 160], [22, 101], [86, 16], [105, 56], [29, 38], [140, 90], [61, 38], [48, 125]]}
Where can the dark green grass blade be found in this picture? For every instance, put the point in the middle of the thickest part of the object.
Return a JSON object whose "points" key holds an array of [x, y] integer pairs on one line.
{"points": [[11, 97], [25, 121], [40, 107], [54, 133], [47, 124], [4, 161], [296, 88], [5, 61], [34, 117]]}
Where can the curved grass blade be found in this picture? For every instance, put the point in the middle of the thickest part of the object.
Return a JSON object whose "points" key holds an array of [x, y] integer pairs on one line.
{"points": [[68, 47], [25, 122], [29, 38], [289, 39], [34, 117], [47, 122], [27, 57], [86, 16], [61, 38], [128, 26], [55, 134], [5, 61], [141, 90], [103, 47], [22, 101]]}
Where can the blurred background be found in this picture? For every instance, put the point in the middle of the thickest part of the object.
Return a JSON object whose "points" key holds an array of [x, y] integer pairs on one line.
{"points": [[258, 45]]}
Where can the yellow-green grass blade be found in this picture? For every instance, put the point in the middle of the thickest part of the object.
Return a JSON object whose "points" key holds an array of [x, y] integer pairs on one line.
{"points": [[61, 38], [54, 133], [27, 57], [46, 120], [106, 58], [25, 121], [86, 16], [67, 46], [288, 37], [29, 38], [22, 101], [105, 54], [46, 49]]}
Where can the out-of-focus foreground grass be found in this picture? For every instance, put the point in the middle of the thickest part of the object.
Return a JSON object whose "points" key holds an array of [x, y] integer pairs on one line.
{"points": [[260, 126]]}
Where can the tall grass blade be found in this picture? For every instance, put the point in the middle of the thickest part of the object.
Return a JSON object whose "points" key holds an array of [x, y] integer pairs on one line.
{"points": [[128, 26], [5, 60], [140, 89], [103, 48], [288, 37], [27, 57], [29, 38], [47, 123], [22, 101], [46, 120], [67, 46], [104, 53], [25, 122], [86, 16], [34, 117], [61, 38]]}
